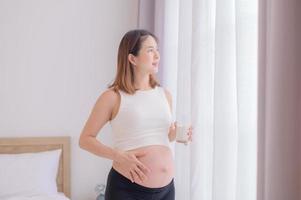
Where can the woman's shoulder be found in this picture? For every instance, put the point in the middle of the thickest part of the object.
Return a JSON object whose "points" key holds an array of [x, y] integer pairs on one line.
{"points": [[167, 92], [168, 97], [110, 96]]}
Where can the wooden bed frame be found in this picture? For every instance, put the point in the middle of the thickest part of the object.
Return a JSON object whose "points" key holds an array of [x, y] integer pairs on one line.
{"points": [[38, 144]]}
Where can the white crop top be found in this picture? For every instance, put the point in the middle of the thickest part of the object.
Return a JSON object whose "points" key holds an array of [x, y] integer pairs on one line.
{"points": [[143, 119]]}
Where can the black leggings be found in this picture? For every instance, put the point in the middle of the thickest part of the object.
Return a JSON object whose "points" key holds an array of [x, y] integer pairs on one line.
{"points": [[121, 188]]}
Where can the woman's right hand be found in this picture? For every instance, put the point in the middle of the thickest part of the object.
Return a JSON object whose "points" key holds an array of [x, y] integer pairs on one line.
{"points": [[128, 163]]}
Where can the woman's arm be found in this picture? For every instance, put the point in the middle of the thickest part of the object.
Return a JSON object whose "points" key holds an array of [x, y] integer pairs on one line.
{"points": [[100, 115], [172, 128], [172, 132]]}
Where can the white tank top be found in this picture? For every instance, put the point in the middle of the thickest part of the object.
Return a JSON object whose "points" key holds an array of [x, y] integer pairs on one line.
{"points": [[143, 119]]}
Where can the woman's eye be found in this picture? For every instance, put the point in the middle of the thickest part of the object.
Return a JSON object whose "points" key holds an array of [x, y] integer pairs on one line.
{"points": [[152, 50]]}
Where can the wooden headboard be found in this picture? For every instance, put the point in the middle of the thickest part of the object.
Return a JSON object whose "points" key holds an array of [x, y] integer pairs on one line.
{"points": [[38, 144]]}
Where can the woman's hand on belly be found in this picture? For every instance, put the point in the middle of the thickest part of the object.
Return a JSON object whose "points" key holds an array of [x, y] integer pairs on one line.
{"points": [[128, 164], [159, 160]]}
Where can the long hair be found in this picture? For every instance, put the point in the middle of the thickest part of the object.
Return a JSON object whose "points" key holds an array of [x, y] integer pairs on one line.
{"points": [[130, 44]]}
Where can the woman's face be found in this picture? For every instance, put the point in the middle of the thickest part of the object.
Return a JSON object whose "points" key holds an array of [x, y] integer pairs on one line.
{"points": [[148, 57]]}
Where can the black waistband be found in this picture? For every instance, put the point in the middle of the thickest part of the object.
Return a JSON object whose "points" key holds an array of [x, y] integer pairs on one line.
{"points": [[136, 186]]}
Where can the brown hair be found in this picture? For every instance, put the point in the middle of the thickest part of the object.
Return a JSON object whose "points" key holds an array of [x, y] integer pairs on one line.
{"points": [[130, 44]]}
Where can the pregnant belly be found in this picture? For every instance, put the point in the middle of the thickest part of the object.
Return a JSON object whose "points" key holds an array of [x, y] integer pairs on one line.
{"points": [[160, 161]]}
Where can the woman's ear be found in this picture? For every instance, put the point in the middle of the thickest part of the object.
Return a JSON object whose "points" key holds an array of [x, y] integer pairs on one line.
{"points": [[132, 59]]}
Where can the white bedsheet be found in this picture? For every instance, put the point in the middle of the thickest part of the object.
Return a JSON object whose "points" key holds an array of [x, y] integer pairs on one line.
{"points": [[59, 196]]}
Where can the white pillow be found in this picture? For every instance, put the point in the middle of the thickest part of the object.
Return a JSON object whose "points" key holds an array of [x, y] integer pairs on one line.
{"points": [[29, 174]]}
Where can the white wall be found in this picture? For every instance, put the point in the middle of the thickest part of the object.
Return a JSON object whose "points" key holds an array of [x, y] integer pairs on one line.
{"points": [[56, 57], [279, 100]]}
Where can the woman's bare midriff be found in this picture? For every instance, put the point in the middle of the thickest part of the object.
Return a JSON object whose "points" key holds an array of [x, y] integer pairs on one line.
{"points": [[159, 160]]}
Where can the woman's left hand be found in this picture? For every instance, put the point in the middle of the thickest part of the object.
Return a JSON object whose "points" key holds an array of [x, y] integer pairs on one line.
{"points": [[189, 133], [172, 133]]}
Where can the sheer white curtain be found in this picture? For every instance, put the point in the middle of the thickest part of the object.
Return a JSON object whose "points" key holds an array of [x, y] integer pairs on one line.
{"points": [[209, 63]]}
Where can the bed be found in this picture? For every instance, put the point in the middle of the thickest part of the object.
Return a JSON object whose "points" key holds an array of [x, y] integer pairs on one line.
{"points": [[35, 168]]}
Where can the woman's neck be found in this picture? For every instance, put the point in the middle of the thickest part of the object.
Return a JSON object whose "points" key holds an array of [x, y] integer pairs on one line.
{"points": [[142, 82]]}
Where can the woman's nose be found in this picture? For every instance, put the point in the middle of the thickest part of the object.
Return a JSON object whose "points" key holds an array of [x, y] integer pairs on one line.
{"points": [[157, 55]]}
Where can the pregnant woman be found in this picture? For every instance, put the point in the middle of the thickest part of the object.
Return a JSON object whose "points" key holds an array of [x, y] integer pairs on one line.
{"points": [[139, 111]]}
